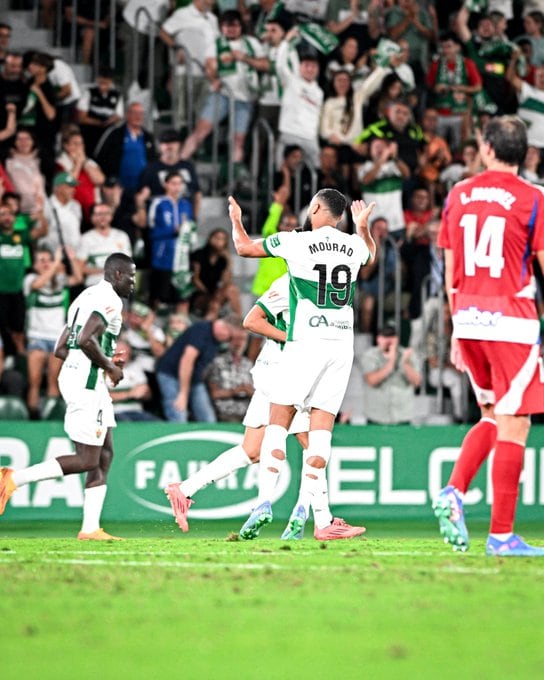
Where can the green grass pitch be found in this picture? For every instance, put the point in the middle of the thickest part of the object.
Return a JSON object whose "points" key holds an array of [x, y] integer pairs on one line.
{"points": [[161, 604]]}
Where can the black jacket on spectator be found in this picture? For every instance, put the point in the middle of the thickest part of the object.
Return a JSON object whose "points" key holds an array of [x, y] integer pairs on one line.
{"points": [[109, 149]]}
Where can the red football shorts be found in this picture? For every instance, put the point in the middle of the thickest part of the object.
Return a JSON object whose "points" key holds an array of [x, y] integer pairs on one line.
{"points": [[507, 374]]}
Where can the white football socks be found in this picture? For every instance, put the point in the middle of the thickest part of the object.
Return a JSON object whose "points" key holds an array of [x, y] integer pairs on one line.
{"points": [[227, 462], [275, 438], [92, 508], [49, 469]]}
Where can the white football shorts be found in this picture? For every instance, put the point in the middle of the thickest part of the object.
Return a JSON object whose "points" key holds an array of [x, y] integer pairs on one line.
{"points": [[258, 414], [89, 413], [313, 375]]}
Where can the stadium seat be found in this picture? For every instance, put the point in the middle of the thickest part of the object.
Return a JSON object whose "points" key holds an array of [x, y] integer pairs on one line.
{"points": [[53, 409], [13, 408]]}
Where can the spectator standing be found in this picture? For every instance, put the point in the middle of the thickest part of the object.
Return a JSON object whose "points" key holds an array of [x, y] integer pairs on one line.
{"points": [[391, 373], [453, 79], [418, 26], [381, 180], [531, 101], [172, 232], [348, 60], [229, 380], [232, 61], [74, 160], [170, 160], [33, 224], [67, 90], [40, 113], [533, 22], [63, 213], [13, 90], [212, 274], [491, 52], [357, 20], [47, 299], [180, 371], [191, 29], [275, 29], [99, 243], [25, 171], [100, 106], [125, 149], [301, 102]]}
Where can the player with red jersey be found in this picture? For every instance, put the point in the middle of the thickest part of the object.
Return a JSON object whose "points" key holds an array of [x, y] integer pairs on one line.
{"points": [[492, 228]]}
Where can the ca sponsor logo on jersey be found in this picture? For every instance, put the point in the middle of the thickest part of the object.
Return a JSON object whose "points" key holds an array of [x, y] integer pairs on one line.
{"points": [[151, 466], [477, 317], [318, 320]]}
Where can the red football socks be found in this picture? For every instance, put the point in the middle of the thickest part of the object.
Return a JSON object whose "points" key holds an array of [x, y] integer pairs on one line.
{"points": [[477, 445], [507, 467]]}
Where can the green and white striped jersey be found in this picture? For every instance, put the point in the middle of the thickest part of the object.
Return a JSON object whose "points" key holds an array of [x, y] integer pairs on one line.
{"points": [[103, 300], [323, 268]]}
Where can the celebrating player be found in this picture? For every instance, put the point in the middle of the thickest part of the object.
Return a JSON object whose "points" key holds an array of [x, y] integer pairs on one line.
{"points": [[267, 317], [316, 363], [492, 225], [87, 346]]}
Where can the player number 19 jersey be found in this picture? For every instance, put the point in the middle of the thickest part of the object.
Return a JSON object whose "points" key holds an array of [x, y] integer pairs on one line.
{"points": [[323, 268]]}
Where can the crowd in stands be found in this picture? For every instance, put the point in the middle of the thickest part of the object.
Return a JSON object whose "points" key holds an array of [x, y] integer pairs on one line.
{"points": [[381, 99]]}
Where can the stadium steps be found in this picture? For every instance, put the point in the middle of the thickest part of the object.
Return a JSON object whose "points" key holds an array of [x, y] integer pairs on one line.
{"points": [[25, 37]]}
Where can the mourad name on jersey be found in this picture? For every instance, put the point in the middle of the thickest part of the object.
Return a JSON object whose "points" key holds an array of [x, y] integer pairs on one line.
{"points": [[322, 246], [489, 195]]}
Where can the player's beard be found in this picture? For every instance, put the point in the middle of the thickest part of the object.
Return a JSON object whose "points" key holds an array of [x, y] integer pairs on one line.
{"points": [[307, 226]]}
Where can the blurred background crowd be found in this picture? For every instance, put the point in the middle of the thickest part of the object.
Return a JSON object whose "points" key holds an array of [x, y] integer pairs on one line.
{"points": [[123, 126]]}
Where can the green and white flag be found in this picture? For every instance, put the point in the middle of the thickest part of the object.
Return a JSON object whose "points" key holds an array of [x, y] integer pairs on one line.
{"points": [[384, 50], [319, 37]]}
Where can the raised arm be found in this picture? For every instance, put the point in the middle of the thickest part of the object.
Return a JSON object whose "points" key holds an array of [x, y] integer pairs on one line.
{"points": [[243, 245], [360, 212]]}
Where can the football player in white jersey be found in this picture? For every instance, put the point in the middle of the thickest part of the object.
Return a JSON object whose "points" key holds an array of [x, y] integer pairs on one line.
{"points": [[87, 347], [323, 267], [268, 318]]}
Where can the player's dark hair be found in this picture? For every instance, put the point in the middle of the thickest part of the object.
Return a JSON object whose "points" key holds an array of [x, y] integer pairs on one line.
{"points": [[116, 262], [507, 136], [334, 200]]}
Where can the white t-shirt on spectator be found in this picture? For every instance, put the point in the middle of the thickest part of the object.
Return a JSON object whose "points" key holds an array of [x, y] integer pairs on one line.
{"points": [[238, 83], [95, 248], [69, 222], [531, 112], [62, 74], [194, 30], [301, 100]]}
